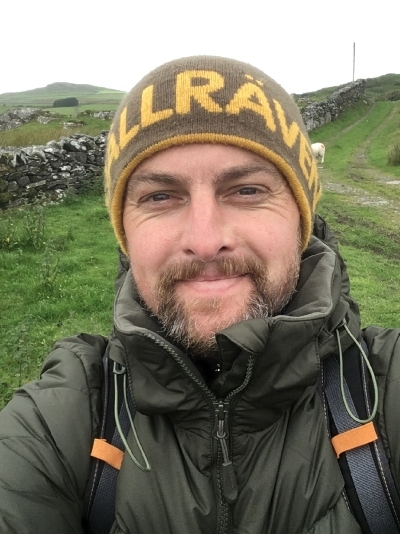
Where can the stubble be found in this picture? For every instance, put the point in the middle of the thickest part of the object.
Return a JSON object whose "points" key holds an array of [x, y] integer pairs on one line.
{"points": [[180, 319]]}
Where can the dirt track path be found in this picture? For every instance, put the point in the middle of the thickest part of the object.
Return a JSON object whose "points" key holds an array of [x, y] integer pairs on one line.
{"points": [[332, 140], [359, 169]]}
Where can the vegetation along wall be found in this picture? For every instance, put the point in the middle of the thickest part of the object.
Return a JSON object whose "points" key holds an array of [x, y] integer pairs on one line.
{"points": [[77, 161]]}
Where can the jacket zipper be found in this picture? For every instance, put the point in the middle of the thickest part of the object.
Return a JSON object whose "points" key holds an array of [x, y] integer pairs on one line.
{"points": [[225, 473], [221, 432]]}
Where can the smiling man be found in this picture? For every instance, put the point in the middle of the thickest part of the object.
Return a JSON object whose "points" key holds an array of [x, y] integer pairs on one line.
{"points": [[231, 298], [214, 232]]}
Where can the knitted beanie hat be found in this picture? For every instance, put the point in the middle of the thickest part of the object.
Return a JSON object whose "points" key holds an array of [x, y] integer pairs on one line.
{"points": [[208, 99]]}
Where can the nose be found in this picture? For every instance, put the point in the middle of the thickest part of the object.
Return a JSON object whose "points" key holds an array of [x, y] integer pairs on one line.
{"points": [[207, 230]]}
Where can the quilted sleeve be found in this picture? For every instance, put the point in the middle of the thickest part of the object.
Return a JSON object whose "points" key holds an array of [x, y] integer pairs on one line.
{"points": [[46, 434]]}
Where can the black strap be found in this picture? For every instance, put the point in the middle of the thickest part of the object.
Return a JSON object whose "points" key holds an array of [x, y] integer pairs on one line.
{"points": [[369, 483], [101, 489]]}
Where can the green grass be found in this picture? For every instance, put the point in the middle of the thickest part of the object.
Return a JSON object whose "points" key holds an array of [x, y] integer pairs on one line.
{"points": [[35, 133], [362, 227], [371, 249], [332, 129], [341, 148], [380, 86], [61, 286], [371, 135], [72, 112], [375, 283], [378, 155], [368, 234]]}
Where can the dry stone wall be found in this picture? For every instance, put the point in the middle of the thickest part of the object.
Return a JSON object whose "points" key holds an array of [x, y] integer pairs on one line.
{"points": [[12, 119], [48, 171], [320, 113], [77, 161]]}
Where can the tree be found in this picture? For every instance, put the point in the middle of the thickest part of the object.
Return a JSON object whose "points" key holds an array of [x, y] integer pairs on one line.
{"points": [[66, 102]]}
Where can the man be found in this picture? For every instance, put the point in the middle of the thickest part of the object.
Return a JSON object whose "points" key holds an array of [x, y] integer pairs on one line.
{"points": [[220, 326]]}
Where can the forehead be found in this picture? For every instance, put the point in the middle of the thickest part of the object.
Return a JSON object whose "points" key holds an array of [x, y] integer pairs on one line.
{"points": [[204, 159]]}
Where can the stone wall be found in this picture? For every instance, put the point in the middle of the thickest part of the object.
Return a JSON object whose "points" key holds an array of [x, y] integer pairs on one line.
{"points": [[48, 171], [320, 113], [77, 161], [17, 117]]}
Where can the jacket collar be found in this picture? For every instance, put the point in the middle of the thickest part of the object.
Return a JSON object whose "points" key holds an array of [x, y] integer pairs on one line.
{"points": [[283, 352]]}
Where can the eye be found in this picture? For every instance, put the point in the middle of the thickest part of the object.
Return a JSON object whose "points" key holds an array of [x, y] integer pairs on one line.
{"points": [[157, 197], [246, 191]]}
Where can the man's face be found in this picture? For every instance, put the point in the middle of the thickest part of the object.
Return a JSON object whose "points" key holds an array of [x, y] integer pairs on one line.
{"points": [[213, 235]]}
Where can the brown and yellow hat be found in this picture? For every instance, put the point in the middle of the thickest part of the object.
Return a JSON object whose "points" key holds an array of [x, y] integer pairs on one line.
{"points": [[208, 99]]}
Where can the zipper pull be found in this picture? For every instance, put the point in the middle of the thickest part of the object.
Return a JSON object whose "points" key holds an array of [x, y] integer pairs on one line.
{"points": [[229, 484]]}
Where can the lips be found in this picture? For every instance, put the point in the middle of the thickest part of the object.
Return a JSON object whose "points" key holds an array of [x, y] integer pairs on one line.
{"points": [[212, 285], [212, 278]]}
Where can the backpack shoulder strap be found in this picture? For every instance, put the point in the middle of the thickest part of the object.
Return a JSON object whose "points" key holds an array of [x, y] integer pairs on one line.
{"points": [[107, 453], [368, 482]]}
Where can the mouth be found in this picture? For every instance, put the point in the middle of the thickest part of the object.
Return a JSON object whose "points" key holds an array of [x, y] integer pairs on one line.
{"points": [[212, 278], [212, 284]]}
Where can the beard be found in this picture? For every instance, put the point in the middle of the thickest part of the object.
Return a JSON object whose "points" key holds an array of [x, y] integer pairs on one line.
{"points": [[267, 297]]}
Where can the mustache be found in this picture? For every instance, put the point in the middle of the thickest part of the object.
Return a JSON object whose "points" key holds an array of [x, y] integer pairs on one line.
{"points": [[225, 266]]}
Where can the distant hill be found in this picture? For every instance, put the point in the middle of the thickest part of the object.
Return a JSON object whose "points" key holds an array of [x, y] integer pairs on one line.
{"points": [[386, 87], [43, 97]]}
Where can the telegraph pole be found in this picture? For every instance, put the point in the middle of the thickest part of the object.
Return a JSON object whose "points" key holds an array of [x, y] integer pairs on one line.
{"points": [[354, 58]]}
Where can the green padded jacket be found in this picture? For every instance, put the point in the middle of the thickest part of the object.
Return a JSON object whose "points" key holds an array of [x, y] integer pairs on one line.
{"points": [[263, 414]]}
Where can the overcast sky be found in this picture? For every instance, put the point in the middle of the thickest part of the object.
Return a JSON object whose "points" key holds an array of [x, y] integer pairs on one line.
{"points": [[305, 46]]}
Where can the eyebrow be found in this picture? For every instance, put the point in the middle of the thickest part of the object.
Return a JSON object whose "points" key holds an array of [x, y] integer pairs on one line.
{"points": [[241, 171], [231, 174], [150, 178]]}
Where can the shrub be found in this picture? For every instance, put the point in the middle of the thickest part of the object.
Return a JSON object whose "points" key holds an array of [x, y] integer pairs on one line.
{"points": [[49, 269], [9, 234], [34, 224], [394, 152], [66, 102], [393, 96]]}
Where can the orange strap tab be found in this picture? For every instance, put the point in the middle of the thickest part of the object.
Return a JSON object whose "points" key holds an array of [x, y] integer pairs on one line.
{"points": [[107, 452], [351, 439]]}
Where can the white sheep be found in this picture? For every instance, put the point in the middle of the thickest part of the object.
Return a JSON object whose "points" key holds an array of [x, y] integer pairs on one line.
{"points": [[318, 150]]}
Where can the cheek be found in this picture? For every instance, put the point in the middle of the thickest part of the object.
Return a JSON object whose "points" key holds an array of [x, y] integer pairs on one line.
{"points": [[149, 251], [138, 239], [144, 255], [274, 234], [276, 240]]}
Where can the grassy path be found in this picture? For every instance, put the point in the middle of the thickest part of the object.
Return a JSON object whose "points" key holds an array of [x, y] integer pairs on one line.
{"points": [[361, 201], [330, 141], [348, 169]]}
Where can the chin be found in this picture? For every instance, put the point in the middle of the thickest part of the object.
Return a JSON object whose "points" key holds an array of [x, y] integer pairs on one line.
{"points": [[206, 328]]}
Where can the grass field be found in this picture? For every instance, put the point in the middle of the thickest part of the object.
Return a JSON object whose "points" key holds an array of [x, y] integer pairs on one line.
{"points": [[73, 112], [58, 263], [57, 279], [361, 201], [35, 133]]}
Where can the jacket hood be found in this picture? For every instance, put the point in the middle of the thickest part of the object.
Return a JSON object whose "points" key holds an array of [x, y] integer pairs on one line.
{"points": [[271, 361]]}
